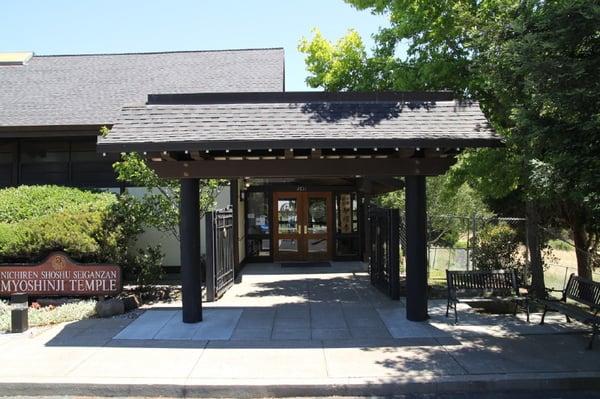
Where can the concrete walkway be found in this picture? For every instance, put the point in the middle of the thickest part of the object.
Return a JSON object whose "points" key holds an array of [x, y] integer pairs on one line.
{"points": [[298, 332]]}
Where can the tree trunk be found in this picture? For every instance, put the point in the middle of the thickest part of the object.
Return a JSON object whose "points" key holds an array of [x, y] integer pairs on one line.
{"points": [[580, 239], [538, 285]]}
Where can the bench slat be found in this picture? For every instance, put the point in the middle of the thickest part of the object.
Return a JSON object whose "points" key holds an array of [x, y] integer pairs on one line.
{"points": [[583, 290]]}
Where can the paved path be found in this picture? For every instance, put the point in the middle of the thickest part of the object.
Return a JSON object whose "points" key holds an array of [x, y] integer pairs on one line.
{"points": [[280, 331]]}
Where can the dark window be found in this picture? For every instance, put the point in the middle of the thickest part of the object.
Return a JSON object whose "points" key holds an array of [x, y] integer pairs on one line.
{"points": [[63, 161], [258, 229], [6, 173], [257, 213], [258, 247], [347, 239], [8, 160], [347, 246]]}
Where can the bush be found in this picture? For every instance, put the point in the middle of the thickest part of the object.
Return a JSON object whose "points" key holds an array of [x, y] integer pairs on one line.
{"points": [[89, 226], [497, 247], [28, 202], [147, 266], [41, 219]]}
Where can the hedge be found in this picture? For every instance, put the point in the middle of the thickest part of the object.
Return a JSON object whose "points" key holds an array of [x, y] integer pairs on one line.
{"points": [[28, 202], [36, 220]]}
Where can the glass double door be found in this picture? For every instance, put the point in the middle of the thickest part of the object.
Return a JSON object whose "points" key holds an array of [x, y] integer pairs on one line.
{"points": [[302, 226]]}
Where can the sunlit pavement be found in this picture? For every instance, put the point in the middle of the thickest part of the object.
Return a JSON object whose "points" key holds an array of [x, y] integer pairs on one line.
{"points": [[299, 331]]}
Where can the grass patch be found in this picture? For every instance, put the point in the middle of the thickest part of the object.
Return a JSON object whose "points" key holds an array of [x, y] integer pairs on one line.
{"points": [[83, 309], [560, 245]]}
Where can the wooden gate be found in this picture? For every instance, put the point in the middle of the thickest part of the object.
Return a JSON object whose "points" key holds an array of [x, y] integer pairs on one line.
{"points": [[220, 268], [384, 260]]}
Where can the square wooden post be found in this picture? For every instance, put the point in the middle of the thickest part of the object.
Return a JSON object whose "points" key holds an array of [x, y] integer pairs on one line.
{"points": [[416, 249], [189, 234]]}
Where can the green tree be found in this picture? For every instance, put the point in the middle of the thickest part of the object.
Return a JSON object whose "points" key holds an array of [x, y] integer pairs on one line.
{"points": [[160, 201], [444, 204], [533, 65]]}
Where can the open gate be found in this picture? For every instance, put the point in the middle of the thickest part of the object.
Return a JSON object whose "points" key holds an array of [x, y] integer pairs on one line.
{"points": [[384, 260], [220, 268]]}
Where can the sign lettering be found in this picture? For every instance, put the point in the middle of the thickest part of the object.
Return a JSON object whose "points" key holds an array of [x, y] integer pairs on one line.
{"points": [[58, 275]]}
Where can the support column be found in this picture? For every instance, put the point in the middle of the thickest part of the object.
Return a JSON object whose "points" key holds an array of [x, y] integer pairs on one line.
{"points": [[416, 249], [189, 234]]}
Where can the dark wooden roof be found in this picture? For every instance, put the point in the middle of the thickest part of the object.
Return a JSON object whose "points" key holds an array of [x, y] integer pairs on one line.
{"points": [[86, 90], [239, 121]]}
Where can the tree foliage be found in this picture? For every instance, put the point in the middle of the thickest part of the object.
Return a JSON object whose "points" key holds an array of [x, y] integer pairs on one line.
{"points": [[447, 209], [496, 247], [160, 200], [534, 67]]}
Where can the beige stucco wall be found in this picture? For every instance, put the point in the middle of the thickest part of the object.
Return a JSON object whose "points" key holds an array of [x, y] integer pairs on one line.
{"points": [[169, 244]]}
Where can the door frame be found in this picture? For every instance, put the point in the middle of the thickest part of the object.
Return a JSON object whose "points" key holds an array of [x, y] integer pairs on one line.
{"points": [[301, 234]]}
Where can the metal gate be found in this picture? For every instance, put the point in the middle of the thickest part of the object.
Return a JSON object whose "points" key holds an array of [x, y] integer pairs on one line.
{"points": [[384, 260], [220, 272]]}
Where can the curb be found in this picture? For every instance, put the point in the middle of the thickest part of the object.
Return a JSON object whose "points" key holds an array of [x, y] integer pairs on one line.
{"points": [[579, 381]]}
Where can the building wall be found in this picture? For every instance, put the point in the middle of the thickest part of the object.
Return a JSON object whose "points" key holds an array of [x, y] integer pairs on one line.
{"points": [[169, 243]]}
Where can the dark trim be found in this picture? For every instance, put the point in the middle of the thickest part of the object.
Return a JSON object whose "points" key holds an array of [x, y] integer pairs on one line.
{"points": [[44, 131], [306, 144], [304, 168], [300, 187], [296, 97]]}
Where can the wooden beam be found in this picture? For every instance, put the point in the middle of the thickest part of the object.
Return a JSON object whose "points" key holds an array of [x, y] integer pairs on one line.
{"points": [[303, 168], [198, 156]]}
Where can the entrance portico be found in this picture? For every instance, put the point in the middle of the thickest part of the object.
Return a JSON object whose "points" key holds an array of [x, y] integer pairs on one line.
{"points": [[362, 138]]}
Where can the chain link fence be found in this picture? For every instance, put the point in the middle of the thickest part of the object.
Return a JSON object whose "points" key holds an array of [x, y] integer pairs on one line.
{"points": [[560, 259], [451, 241]]}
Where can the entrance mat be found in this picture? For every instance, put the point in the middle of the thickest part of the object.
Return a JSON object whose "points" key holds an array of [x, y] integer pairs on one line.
{"points": [[306, 264]]}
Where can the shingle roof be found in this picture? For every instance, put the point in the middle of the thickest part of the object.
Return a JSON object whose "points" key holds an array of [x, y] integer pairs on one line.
{"points": [[285, 124], [91, 89]]}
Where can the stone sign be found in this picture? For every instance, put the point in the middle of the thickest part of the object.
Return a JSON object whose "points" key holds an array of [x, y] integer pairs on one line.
{"points": [[58, 275]]}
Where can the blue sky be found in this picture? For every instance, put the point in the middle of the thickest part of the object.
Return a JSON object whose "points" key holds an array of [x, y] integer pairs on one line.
{"points": [[115, 26]]}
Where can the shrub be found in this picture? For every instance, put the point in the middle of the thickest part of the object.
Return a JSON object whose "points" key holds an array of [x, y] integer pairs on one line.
{"points": [[147, 266], [497, 247], [28, 202], [38, 220], [89, 226]]}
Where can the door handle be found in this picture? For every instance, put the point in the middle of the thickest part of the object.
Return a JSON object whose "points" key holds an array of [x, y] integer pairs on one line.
{"points": [[305, 229]]}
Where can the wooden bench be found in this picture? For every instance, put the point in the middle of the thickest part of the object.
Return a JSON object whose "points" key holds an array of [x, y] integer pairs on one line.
{"points": [[584, 305], [484, 286]]}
